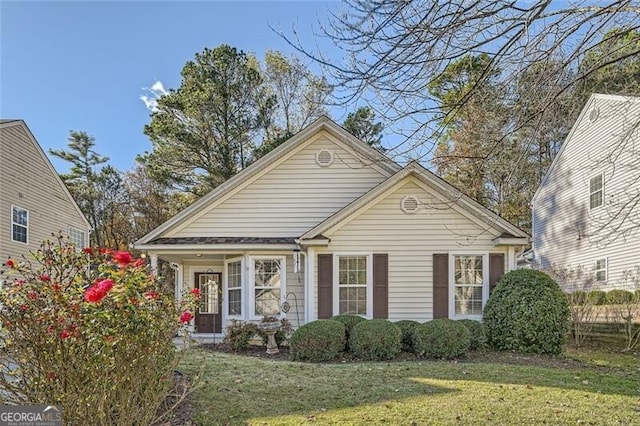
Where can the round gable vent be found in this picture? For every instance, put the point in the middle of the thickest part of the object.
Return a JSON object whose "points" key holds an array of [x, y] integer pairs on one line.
{"points": [[594, 114], [324, 158], [410, 204]]}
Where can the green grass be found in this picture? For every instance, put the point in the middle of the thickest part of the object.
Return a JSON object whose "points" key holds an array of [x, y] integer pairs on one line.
{"points": [[239, 390]]}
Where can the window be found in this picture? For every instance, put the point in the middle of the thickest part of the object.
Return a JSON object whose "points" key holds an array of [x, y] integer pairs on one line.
{"points": [[268, 284], [596, 191], [601, 270], [234, 288], [470, 285], [77, 238], [19, 224], [354, 282]]}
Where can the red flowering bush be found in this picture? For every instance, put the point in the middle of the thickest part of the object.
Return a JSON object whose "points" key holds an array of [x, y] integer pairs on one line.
{"points": [[91, 330]]}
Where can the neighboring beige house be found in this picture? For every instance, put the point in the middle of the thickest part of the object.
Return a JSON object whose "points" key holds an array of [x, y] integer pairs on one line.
{"points": [[34, 202], [327, 225], [586, 212]]}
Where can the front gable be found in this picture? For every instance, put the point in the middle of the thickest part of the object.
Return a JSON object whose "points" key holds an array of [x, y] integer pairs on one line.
{"points": [[295, 187]]}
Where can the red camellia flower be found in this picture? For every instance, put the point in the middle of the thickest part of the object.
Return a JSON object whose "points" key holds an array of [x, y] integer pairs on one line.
{"points": [[196, 292], [19, 283], [186, 317], [32, 295], [10, 263], [44, 277], [151, 295], [123, 257], [88, 250], [23, 308], [56, 287], [105, 285], [140, 262], [65, 334], [94, 294]]}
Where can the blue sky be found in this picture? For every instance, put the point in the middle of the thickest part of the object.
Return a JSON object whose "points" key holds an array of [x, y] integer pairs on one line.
{"points": [[84, 65]]}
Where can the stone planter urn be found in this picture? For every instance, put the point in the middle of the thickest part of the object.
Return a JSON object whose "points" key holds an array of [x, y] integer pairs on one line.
{"points": [[270, 329]]}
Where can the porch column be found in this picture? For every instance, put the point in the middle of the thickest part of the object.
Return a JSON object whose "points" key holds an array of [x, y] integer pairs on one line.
{"points": [[511, 259], [154, 263], [309, 290]]}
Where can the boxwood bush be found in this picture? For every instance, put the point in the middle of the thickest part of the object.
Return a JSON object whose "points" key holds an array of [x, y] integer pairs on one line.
{"points": [[239, 333], [318, 341], [441, 338], [527, 312], [407, 327], [597, 297], [476, 333], [619, 297], [375, 340], [349, 322]]}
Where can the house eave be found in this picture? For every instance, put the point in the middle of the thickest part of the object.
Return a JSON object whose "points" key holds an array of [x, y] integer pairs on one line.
{"points": [[211, 248], [322, 242], [510, 241]]}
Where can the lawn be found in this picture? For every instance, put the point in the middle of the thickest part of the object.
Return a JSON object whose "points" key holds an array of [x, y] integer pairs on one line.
{"points": [[489, 388]]}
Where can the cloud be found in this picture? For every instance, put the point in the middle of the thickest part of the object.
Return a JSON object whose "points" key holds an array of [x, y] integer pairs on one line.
{"points": [[150, 98]]}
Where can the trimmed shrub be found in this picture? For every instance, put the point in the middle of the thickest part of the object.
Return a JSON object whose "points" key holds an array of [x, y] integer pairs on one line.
{"points": [[281, 336], [597, 297], [441, 338], [578, 298], [317, 341], [407, 327], [239, 333], [476, 333], [619, 297], [375, 340], [637, 296], [527, 312], [349, 322]]}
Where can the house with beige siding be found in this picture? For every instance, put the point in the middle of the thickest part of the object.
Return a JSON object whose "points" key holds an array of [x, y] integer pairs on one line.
{"points": [[34, 202], [326, 225], [586, 212]]}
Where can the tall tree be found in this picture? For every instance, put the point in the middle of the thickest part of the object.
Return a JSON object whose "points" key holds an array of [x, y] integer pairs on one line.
{"points": [[83, 178], [202, 132], [362, 124]]}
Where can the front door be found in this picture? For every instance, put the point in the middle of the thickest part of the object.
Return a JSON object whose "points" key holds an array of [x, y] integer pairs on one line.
{"points": [[209, 315]]}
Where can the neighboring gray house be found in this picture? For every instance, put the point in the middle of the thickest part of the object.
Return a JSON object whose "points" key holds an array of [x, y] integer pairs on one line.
{"points": [[34, 202], [586, 212], [330, 226]]}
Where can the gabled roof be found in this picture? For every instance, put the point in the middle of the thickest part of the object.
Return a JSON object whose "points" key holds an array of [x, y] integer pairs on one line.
{"points": [[7, 123], [467, 206], [272, 160], [583, 113]]}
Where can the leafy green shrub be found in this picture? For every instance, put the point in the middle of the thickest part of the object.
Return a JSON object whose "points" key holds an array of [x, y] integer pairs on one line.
{"points": [[578, 298], [636, 296], [407, 327], [375, 340], [619, 297], [317, 341], [597, 297], [96, 340], [527, 312], [239, 333], [349, 322], [281, 336], [476, 333], [441, 338]]}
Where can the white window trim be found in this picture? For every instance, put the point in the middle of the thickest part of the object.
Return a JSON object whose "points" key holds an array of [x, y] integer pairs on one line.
{"points": [[452, 285], [336, 282], [225, 283], [251, 284], [591, 193], [13, 206], [84, 240], [606, 269]]}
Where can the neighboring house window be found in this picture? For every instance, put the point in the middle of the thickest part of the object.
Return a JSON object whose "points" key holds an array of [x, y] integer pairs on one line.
{"points": [[354, 285], [19, 224], [77, 238], [601, 270], [234, 288], [268, 285], [596, 191], [470, 285]]}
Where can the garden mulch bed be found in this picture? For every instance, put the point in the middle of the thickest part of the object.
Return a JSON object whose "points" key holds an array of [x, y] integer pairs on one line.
{"points": [[183, 411]]}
